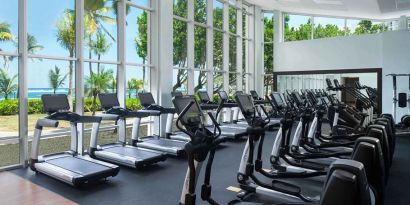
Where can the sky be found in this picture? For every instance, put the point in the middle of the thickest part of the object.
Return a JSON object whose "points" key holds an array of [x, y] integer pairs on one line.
{"points": [[42, 16]]}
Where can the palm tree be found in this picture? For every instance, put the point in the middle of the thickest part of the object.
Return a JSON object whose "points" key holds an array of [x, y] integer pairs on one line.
{"points": [[134, 84], [7, 84], [66, 38], [56, 79], [5, 35], [97, 83], [33, 45], [100, 46]]}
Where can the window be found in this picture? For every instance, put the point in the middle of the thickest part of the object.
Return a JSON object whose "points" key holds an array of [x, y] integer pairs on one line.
{"points": [[268, 50], [232, 54], [218, 82], [233, 77], [200, 11], [200, 47], [218, 50], [297, 27], [200, 81], [232, 19], [181, 8], [180, 80], [180, 43], [137, 36], [360, 27], [328, 27], [218, 14], [137, 80]]}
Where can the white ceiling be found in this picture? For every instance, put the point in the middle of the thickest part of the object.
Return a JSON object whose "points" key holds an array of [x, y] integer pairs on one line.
{"points": [[372, 9]]}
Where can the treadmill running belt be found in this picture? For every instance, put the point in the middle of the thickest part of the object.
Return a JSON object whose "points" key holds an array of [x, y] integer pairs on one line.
{"points": [[77, 165], [165, 143], [136, 153]]}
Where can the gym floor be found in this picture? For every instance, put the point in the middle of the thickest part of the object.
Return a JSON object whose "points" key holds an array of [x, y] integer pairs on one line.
{"points": [[161, 184]]}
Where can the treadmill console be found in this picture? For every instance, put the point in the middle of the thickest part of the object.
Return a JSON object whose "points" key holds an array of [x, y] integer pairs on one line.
{"points": [[108, 100], [193, 116], [204, 97], [146, 99], [246, 105], [277, 100], [55, 102]]}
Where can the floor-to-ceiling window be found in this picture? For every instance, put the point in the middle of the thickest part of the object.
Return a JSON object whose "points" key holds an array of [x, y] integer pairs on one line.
{"points": [[268, 51]]}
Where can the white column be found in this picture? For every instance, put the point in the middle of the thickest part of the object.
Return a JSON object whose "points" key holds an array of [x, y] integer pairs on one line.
{"points": [[258, 50], [251, 49], [190, 47], [79, 70], [121, 48], [403, 23], [239, 51], [278, 37], [162, 53], [226, 46], [22, 81], [210, 47]]}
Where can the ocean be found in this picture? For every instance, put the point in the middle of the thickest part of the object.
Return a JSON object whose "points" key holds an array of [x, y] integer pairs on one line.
{"points": [[35, 93]]}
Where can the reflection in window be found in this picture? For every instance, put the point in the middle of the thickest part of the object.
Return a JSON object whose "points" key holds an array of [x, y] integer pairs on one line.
{"points": [[200, 81], [137, 36], [180, 43], [200, 11], [232, 53], [328, 27], [218, 50], [181, 8], [51, 31], [297, 27], [218, 14], [200, 47], [180, 80]]}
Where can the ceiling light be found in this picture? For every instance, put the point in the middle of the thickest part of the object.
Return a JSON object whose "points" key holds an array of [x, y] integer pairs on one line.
{"points": [[329, 2]]}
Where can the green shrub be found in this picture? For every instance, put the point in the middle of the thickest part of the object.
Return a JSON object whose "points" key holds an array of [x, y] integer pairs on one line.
{"points": [[88, 105], [9, 107], [35, 106], [133, 104]]}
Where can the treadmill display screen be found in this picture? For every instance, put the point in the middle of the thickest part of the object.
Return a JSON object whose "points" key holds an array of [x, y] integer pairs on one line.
{"points": [[278, 99], [245, 103], [146, 98], [193, 116], [203, 95], [108, 100], [223, 95], [54, 103]]}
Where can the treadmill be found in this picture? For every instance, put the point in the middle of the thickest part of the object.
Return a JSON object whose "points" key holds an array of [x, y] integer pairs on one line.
{"points": [[120, 153], [229, 131], [70, 166], [234, 122], [162, 144]]}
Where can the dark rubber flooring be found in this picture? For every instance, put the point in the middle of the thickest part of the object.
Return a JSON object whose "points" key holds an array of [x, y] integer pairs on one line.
{"points": [[161, 184]]}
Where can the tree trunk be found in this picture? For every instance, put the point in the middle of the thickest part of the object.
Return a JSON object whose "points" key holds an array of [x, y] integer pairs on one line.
{"points": [[90, 54], [143, 70], [70, 80], [93, 103], [98, 64]]}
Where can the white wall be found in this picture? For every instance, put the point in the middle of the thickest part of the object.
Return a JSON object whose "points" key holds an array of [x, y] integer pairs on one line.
{"points": [[390, 51], [332, 53]]}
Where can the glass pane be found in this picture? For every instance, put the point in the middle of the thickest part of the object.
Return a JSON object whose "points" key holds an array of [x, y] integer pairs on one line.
{"points": [[232, 53], [137, 80], [9, 107], [9, 153], [328, 27], [200, 81], [200, 47], [180, 82], [232, 20], [137, 37], [218, 14], [365, 27], [218, 82], [268, 27], [244, 55], [245, 78], [200, 11], [8, 25], [181, 8], [297, 27], [267, 84], [218, 50], [351, 25], [244, 23], [233, 83], [100, 37], [51, 31], [60, 77], [180, 43], [268, 57], [99, 78], [141, 2]]}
